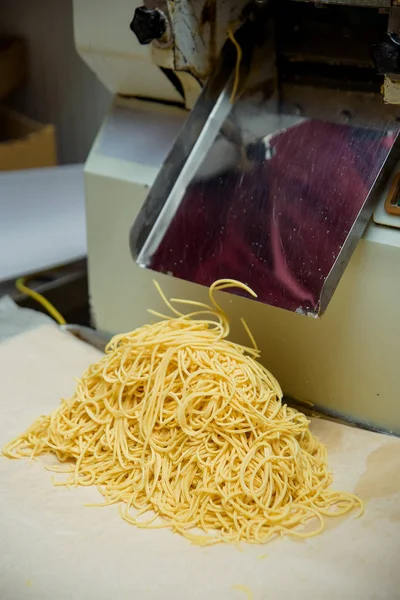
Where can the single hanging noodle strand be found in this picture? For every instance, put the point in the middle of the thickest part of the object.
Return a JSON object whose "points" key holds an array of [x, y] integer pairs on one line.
{"points": [[184, 429], [239, 55]]}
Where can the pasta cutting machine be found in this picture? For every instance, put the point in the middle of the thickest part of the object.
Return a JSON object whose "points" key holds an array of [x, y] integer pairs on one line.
{"points": [[257, 141]]}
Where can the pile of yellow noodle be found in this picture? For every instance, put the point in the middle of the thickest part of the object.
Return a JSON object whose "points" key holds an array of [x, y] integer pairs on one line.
{"points": [[187, 430]]}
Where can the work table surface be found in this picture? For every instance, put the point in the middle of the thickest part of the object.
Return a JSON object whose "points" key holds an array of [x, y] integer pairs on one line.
{"points": [[53, 547]]}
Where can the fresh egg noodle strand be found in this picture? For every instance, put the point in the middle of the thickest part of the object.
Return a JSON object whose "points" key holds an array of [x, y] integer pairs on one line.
{"points": [[185, 429]]}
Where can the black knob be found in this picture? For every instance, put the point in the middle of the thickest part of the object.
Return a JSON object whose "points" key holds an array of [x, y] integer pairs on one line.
{"points": [[386, 55], [258, 152], [148, 24]]}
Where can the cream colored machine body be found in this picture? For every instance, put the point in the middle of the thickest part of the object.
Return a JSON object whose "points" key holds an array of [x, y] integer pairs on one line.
{"points": [[345, 362]]}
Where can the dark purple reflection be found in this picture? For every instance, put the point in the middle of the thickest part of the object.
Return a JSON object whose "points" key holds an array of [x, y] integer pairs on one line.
{"points": [[280, 226]]}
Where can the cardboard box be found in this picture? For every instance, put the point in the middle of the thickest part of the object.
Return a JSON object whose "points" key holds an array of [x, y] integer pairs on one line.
{"points": [[12, 65], [25, 143]]}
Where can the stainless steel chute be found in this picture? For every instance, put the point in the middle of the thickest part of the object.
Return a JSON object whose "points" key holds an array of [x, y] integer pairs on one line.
{"points": [[255, 192]]}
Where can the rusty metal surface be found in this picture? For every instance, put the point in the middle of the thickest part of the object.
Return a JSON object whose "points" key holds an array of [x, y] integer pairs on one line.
{"points": [[360, 3], [200, 30]]}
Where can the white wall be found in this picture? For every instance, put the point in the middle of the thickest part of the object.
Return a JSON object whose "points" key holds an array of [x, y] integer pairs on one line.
{"points": [[61, 89]]}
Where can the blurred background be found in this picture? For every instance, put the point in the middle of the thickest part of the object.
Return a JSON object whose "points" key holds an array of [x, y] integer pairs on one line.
{"points": [[51, 107]]}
